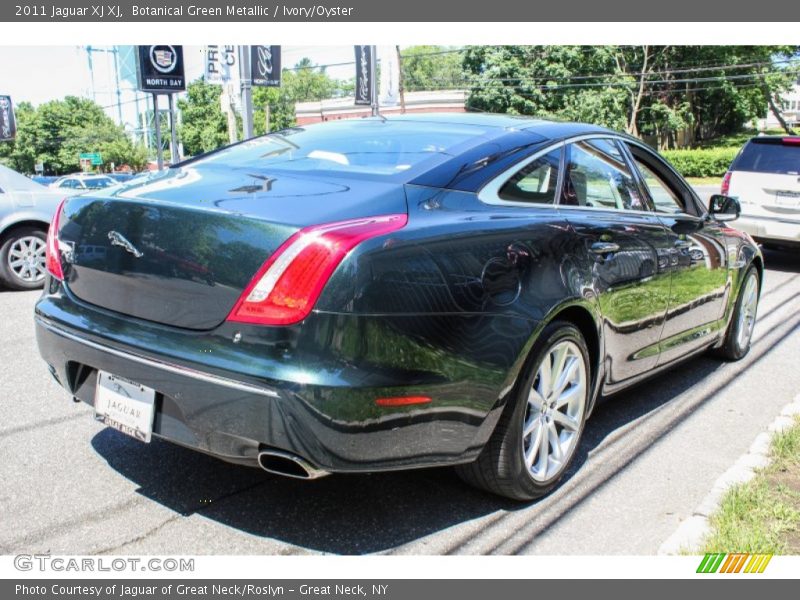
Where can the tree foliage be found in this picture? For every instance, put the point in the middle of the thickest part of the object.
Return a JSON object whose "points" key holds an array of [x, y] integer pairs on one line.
{"points": [[431, 68], [57, 132], [204, 125], [699, 91]]}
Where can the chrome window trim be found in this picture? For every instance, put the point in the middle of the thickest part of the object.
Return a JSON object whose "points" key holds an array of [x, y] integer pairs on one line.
{"points": [[158, 364], [490, 193]]}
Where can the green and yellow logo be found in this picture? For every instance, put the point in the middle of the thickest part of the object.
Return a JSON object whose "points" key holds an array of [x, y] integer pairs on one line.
{"points": [[734, 563]]}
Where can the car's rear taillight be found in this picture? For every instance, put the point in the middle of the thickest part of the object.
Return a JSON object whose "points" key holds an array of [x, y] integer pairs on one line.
{"points": [[52, 253], [726, 184], [287, 286], [791, 141]]}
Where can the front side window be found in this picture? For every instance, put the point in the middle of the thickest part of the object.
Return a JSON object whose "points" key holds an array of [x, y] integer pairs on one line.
{"points": [[536, 182], [597, 176], [663, 197]]}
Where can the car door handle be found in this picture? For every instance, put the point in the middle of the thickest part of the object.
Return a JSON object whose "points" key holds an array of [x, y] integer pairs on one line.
{"points": [[683, 244], [604, 247]]}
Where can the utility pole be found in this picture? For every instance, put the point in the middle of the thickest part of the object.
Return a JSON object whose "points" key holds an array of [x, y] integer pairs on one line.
{"points": [[266, 119], [159, 149], [226, 101], [247, 95], [174, 131], [372, 72], [400, 83]]}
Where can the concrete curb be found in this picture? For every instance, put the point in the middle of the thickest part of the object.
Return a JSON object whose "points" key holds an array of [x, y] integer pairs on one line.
{"points": [[690, 534]]}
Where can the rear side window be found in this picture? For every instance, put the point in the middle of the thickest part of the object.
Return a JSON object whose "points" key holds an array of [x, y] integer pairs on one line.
{"points": [[536, 183], [768, 157]]}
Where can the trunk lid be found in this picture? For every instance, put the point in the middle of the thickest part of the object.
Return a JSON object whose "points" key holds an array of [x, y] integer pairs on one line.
{"points": [[179, 247]]}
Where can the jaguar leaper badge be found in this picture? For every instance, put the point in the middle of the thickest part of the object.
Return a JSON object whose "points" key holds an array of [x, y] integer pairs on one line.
{"points": [[117, 239]]}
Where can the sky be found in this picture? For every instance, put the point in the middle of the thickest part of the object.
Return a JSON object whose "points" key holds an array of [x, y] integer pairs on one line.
{"points": [[40, 73]]}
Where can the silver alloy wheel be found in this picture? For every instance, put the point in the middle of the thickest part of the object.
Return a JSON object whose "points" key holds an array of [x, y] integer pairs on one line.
{"points": [[554, 414], [26, 258], [747, 311]]}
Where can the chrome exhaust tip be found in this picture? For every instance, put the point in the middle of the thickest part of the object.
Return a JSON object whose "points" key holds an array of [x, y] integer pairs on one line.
{"points": [[286, 464]]}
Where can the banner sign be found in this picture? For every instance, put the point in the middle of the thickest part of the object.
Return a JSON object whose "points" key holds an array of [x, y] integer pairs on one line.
{"points": [[364, 83], [8, 126], [160, 69], [222, 64], [265, 66]]}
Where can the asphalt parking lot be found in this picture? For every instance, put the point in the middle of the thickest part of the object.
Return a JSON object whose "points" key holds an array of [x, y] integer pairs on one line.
{"points": [[70, 486]]}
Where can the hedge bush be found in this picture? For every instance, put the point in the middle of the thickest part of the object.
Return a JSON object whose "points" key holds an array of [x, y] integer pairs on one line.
{"points": [[706, 162]]}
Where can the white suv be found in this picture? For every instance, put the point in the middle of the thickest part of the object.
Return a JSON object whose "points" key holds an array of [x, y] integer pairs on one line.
{"points": [[765, 178]]}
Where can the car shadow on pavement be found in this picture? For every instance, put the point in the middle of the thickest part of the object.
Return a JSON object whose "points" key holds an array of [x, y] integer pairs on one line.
{"points": [[348, 514], [785, 260]]}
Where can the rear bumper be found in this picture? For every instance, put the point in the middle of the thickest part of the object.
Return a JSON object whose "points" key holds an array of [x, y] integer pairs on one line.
{"points": [[770, 228], [233, 400]]}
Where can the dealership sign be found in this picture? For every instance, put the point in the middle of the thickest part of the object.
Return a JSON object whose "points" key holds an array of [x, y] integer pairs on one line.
{"points": [[160, 69], [8, 126], [364, 71], [222, 64], [265, 66]]}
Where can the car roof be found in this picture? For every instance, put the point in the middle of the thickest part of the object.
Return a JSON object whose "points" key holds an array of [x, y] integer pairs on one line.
{"points": [[545, 127]]}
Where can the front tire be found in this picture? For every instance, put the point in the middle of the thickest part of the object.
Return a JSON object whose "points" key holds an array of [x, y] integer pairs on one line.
{"points": [[539, 432], [22, 258], [740, 330]]}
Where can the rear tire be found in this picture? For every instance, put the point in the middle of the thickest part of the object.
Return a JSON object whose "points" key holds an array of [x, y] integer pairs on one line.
{"points": [[539, 432], [740, 329], [22, 258]]}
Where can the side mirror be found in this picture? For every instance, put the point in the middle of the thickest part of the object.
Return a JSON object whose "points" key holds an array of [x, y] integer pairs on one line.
{"points": [[724, 208]]}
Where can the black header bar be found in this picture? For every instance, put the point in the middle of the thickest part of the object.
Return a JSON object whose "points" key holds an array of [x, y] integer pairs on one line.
{"points": [[406, 10]]}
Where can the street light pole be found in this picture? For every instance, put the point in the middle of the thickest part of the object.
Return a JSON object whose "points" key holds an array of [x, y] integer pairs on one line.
{"points": [[247, 96]]}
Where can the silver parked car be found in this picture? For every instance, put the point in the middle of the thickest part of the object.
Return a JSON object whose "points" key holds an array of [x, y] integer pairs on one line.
{"points": [[79, 183], [26, 208]]}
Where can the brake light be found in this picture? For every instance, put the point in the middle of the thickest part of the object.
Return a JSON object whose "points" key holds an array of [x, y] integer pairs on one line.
{"points": [[286, 287], [52, 253], [791, 141], [726, 184]]}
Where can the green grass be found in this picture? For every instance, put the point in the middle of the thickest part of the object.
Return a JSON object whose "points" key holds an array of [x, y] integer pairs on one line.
{"points": [[763, 515]]}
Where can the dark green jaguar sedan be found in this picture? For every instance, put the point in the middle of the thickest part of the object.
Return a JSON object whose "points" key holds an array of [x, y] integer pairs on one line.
{"points": [[392, 293]]}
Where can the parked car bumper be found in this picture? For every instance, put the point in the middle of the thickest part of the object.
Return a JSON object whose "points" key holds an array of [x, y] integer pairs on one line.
{"points": [[233, 400], [770, 228]]}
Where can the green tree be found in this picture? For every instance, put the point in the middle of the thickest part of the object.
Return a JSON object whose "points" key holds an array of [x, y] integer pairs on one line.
{"points": [[306, 82], [57, 132], [702, 91], [431, 68], [203, 125]]}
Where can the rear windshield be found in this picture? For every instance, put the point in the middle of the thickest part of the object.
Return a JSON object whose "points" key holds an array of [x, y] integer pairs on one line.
{"points": [[375, 148], [763, 157]]}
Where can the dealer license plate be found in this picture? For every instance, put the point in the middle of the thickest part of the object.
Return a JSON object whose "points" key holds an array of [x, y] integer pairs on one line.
{"points": [[125, 405]]}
